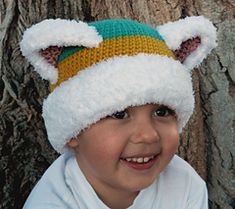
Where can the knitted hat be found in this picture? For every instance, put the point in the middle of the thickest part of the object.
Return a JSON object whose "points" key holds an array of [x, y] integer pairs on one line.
{"points": [[98, 68]]}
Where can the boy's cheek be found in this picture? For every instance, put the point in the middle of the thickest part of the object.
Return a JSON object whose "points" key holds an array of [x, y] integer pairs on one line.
{"points": [[171, 141]]}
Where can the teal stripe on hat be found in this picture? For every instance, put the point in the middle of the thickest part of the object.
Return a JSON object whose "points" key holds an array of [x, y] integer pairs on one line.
{"points": [[114, 28]]}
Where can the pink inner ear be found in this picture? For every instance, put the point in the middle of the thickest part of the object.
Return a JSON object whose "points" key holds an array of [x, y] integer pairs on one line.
{"points": [[186, 48], [51, 54]]}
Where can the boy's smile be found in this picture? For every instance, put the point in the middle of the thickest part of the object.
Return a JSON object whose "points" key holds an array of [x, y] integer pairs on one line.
{"points": [[125, 152], [140, 163]]}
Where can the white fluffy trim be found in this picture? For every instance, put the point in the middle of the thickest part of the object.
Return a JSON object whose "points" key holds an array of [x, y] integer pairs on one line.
{"points": [[114, 85], [55, 32], [174, 33]]}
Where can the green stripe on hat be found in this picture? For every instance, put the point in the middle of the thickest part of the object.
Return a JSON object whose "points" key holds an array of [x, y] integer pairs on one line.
{"points": [[114, 28]]}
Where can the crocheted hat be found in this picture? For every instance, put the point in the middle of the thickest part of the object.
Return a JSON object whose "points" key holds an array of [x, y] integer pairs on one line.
{"points": [[98, 68]]}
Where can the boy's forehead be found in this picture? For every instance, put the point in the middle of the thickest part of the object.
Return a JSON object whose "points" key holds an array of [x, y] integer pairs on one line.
{"points": [[147, 106], [144, 106]]}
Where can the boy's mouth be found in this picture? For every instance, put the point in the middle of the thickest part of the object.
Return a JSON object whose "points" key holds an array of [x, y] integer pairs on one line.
{"points": [[139, 159], [140, 163]]}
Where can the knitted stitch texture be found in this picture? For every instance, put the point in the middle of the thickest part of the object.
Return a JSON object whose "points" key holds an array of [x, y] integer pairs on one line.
{"points": [[120, 37]]}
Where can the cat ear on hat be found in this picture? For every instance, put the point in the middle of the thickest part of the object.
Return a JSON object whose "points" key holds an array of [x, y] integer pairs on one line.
{"points": [[42, 43], [191, 39]]}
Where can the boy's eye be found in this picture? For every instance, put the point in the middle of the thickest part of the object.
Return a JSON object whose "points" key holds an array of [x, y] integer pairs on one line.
{"points": [[119, 115], [163, 112]]}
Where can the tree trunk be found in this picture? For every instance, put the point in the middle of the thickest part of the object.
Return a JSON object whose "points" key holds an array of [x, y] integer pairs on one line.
{"points": [[207, 143]]}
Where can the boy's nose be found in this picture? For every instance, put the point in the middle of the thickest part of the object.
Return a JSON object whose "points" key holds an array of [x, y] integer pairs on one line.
{"points": [[145, 132]]}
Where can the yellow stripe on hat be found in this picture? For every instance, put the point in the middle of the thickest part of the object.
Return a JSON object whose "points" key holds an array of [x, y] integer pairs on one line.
{"points": [[128, 45]]}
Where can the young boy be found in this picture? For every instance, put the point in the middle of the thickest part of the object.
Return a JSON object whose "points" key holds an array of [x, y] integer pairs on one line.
{"points": [[121, 93]]}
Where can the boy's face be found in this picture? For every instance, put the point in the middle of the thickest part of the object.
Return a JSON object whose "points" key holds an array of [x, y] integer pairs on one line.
{"points": [[107, 151]]}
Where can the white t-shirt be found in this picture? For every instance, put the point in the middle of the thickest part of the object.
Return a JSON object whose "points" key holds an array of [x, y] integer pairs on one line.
{"points": [[63, 186]]}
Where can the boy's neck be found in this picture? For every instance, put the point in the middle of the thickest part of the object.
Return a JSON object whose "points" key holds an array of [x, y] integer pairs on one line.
{"points": [[116, 199], [112, 197]]}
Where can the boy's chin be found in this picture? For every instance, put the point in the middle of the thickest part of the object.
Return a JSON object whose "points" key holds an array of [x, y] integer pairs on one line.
{"points": [[139, 185]]}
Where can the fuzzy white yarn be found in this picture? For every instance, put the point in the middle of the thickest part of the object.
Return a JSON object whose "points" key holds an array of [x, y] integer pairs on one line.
{"points": [[55, 32], [174, 33], [113, 85]]}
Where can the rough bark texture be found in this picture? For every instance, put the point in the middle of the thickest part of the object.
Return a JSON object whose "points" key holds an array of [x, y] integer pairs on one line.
{"points": [[208, 140]]}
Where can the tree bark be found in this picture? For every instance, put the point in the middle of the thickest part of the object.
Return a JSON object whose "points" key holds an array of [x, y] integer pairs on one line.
{"points": [[207, 142]]}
